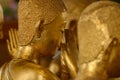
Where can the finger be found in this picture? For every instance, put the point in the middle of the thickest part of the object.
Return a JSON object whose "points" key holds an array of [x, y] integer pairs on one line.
{"points": [[9, 47], [11, 41], [13, 37], [16, 37]]}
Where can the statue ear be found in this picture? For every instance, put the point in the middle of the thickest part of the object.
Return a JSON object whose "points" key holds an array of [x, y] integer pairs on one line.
{"points": [[39, 28]]}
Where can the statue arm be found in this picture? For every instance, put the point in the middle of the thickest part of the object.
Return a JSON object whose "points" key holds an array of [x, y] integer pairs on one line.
{"points": [[69, 53], [19, 67]]}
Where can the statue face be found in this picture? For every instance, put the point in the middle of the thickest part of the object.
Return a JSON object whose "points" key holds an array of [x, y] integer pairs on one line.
{"points": [[48, 36]]}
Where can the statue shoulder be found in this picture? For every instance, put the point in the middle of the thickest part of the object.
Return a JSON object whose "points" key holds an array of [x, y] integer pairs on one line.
{"points": [[21, 69]]}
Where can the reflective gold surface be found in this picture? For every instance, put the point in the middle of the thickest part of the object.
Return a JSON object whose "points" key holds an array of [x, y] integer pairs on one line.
{"points": [[32, 13], [75, 7], [39, 35], [98, 24], [69, 53], [20, 69], [53, 45]]}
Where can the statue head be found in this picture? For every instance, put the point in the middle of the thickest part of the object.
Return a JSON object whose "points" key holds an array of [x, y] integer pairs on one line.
{"points": [[98, 25], [40, 24]]}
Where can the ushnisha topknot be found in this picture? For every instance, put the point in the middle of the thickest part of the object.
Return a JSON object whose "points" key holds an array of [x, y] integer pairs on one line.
{"points": [[32, 12], [98, 24]]}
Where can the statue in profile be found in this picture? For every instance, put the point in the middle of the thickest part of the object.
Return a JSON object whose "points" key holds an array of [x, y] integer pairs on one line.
{"points": [[40, 27]]}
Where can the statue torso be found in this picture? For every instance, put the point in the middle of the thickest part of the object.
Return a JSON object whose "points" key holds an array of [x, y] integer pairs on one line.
{"points": [[21, 69]]}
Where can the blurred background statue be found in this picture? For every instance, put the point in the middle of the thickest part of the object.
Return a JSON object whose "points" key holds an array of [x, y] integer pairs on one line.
{"points": [[98, 37]]}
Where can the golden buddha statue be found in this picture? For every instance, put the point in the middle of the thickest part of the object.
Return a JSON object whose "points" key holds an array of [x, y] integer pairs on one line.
{"points": [[41, 33], [69, 48], [40, 27], [98, 38]]}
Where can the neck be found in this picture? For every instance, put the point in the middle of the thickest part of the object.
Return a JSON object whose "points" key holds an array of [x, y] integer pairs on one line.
{"points": [[27, 52]]}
